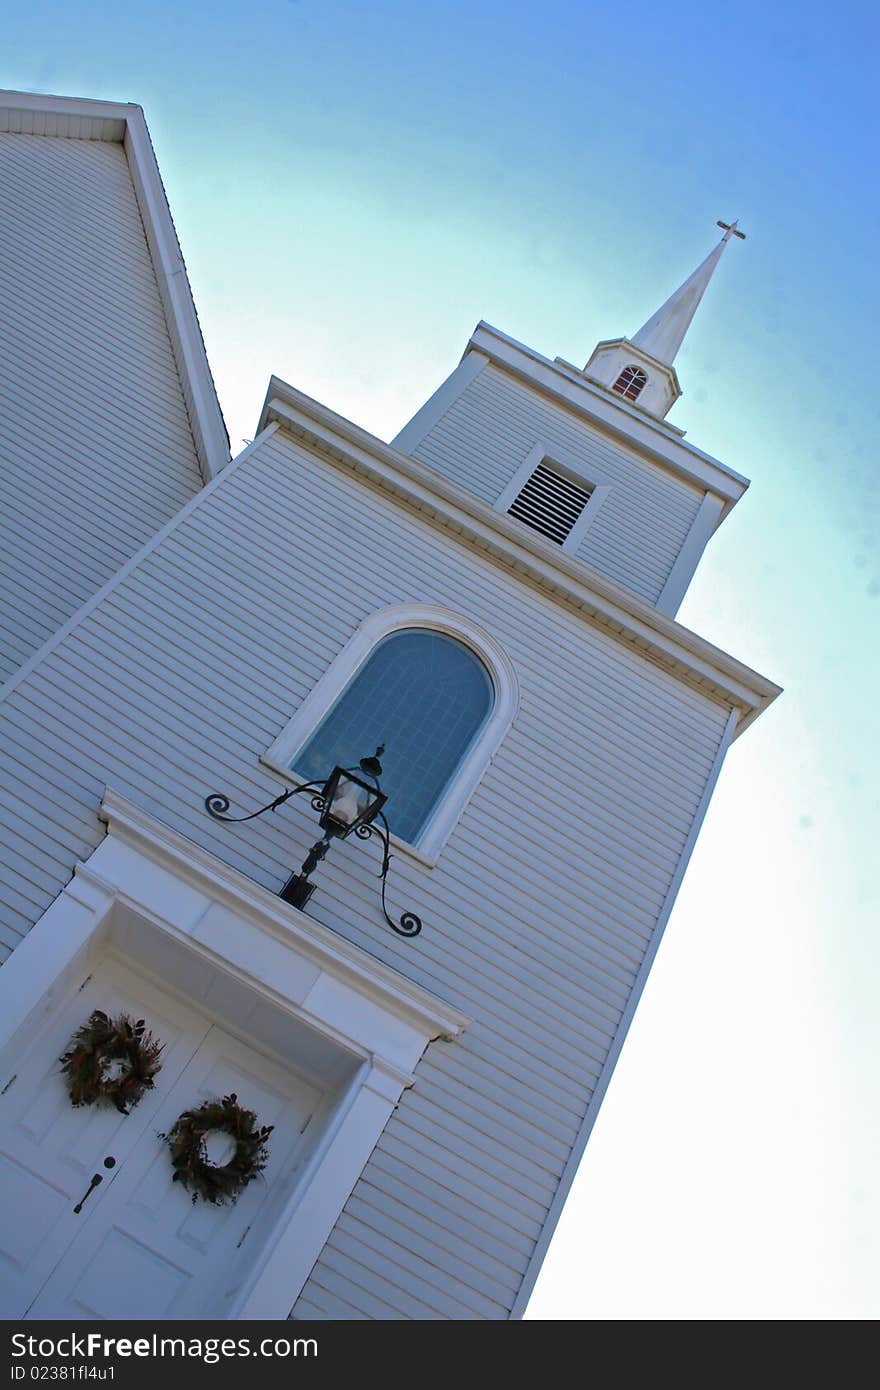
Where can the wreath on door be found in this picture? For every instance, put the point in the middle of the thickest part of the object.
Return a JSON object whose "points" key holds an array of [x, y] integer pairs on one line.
{"points": [[217, 1183], [111, 1061]]}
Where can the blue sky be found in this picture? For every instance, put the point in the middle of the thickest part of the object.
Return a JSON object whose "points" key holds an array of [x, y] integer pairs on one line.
{"points": [[354, 187]]}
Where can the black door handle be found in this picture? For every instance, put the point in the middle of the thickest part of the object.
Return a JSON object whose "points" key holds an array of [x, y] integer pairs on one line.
{"points": [[97, 1179]]}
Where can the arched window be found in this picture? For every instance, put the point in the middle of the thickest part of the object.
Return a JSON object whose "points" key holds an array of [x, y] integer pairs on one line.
{"points": [[422, 694], [630, 382], [430, 685]]}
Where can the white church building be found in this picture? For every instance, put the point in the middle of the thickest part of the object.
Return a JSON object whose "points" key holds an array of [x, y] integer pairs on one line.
{"points": [[188, 640]]}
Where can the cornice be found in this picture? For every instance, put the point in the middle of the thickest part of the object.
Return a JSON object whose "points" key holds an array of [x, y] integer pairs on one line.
{"points": [[624, 616], [25, 113]]}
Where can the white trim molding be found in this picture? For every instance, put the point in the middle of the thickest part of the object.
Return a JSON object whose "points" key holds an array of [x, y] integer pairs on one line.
{"points": [[570, 468], [348, 662], [149, 891], [424, 420], [701, 530]]}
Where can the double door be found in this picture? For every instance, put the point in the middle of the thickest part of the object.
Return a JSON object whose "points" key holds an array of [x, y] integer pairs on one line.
{"points": [[91, 1224]]}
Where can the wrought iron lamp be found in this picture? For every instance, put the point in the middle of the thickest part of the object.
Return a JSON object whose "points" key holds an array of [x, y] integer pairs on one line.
{"points": [[349, 802]]}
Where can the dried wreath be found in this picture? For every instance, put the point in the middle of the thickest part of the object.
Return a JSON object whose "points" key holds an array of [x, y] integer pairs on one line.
{"points": [[217, 1183], [111, 1061]]}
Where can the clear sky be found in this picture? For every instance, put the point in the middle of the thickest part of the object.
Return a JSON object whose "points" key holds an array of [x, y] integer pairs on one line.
{"points": [[355, 186]]}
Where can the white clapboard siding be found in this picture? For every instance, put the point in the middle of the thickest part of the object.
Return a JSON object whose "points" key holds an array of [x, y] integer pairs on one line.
{"points": [[186, 672], [96, 450], [489, 430], [459, 1258]]}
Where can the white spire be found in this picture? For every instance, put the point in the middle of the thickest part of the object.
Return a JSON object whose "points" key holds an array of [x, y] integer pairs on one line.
{"points": [[663, 334]]}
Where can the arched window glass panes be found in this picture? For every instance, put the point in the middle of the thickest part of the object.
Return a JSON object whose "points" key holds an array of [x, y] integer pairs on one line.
{"points": [[630, 382], [422, 694]]}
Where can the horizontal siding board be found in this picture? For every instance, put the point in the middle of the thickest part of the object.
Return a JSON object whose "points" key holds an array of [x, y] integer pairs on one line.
{"points": [[457, 1242], [326, 1307], [389, 1173], [553, 1108], [96, 450], [546, 1132], [30, 538], [493, 1167], [347, 1292], [11, 933], [534, 1174], [390, 1261], [382, 1277], [454, 1173], [108, 399], [184, 674], [44, 810], [492, 1125]]}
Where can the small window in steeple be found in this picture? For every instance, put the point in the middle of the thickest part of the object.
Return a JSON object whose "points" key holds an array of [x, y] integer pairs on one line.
{"points": [[630, 382]]}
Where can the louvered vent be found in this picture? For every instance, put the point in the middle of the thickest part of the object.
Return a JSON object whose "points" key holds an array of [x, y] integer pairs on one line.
{"points": [[550, 503]]}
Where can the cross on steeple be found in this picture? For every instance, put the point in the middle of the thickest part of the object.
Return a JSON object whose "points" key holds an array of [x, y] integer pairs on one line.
{"points": [[731, 230], [662, 335]]}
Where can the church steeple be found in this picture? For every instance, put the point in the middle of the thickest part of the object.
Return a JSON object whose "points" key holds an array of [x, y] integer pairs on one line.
{"points": [[640, 368]]}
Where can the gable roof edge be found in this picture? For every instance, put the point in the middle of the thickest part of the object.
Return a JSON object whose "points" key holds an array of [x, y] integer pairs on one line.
{"points": [[28, 113]]}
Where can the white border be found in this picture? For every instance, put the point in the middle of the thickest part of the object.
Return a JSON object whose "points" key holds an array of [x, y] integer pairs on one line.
{"points": [[163, 882], [701, 530], [337, 676], [569, 467]]}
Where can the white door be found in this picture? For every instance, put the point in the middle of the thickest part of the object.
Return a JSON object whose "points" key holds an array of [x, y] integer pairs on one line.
{"points": [[139, 1247]]}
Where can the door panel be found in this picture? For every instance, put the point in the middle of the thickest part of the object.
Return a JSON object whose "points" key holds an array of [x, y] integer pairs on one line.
{"points": [[148, 1249], [139, 1248], [49, 1149]]}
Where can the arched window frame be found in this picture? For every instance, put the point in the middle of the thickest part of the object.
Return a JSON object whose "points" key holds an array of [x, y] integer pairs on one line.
{"points": [[345, 667], [638, 378]]}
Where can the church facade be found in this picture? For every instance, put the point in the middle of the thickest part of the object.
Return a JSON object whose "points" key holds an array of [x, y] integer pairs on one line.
{"points": [[189, 640]]}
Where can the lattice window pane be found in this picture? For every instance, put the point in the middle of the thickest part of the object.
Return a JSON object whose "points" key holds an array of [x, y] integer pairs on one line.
{"points": [[630, 382]]}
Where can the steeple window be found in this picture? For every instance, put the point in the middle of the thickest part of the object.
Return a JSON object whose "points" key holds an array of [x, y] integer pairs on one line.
{"points": [[630, 382]]}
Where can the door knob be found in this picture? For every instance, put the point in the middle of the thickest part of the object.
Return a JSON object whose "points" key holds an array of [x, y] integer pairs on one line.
{"points": [[109, 1161]]}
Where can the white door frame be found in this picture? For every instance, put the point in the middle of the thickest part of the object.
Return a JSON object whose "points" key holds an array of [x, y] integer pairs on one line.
{"points": [[147, 878]]}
